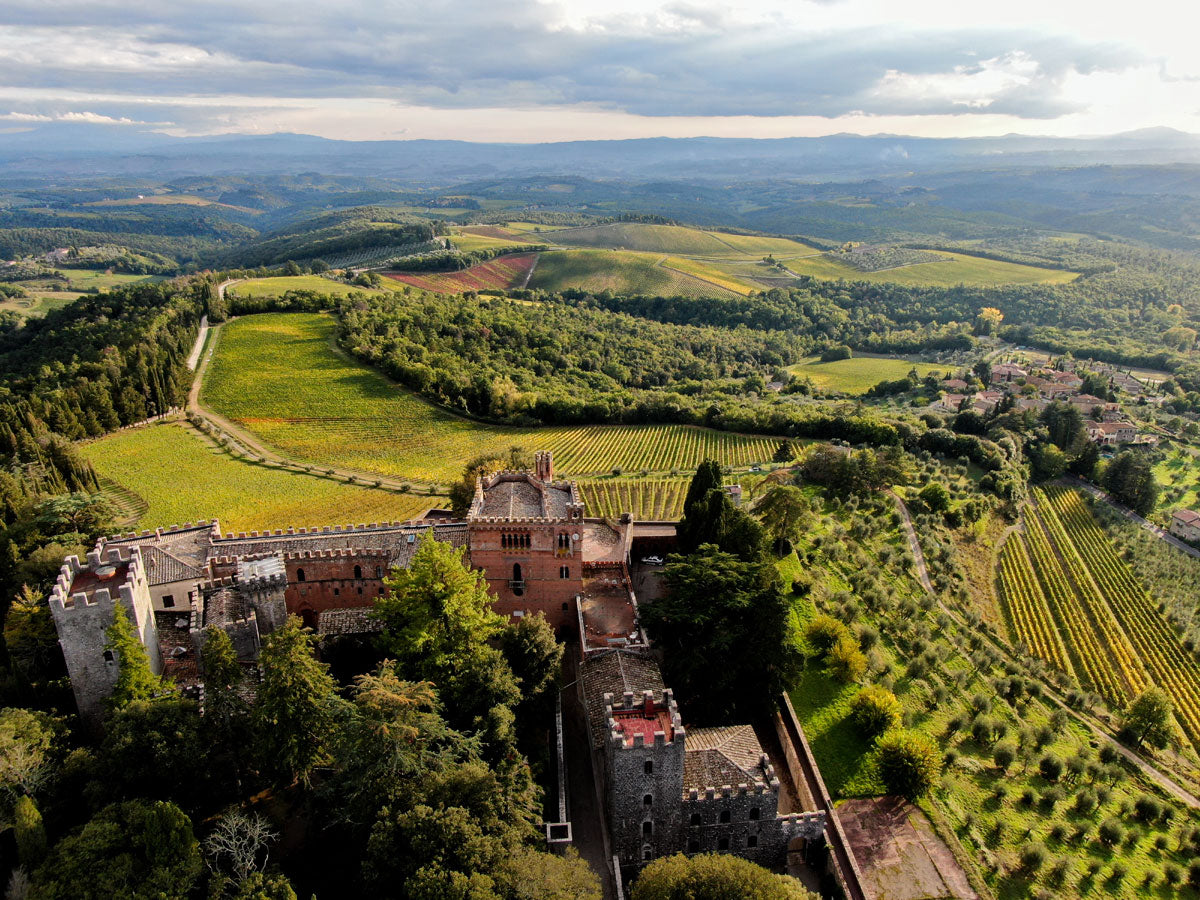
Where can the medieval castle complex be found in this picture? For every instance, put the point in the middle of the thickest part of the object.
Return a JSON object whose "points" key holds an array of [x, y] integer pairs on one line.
{"points": [[667, 788]]}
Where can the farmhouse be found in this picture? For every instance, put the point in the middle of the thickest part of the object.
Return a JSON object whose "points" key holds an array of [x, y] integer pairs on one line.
{"points": [[1005, 373], [1185, 525], [1111, 433]]}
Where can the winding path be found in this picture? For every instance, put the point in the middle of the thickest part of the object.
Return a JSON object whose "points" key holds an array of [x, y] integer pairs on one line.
{"points": [[1155, 774], [1132, 516], [242, 441]]}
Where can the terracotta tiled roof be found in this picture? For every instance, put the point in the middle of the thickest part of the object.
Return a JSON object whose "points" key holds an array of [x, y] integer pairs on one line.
{"points": [[400, 539], [163, 568], [1187, 516], [356, 620], [714, 757]]}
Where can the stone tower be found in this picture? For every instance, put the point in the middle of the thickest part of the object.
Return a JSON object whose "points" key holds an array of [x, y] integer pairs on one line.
{"points": [[82, 604], [645, 750]]}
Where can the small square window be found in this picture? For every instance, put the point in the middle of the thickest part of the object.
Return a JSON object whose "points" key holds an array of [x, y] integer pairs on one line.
{"points": [[336, 592], [723, 844], [724, 816], [566, 607], [754, 813], [693, 846], [168, 601], [108, 656], [752, 840]]}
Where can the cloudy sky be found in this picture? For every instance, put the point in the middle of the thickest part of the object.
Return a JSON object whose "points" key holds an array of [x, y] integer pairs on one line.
{"points": [[538, 70]]}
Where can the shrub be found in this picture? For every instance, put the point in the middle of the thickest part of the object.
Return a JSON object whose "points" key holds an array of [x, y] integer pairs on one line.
{"points": [[909, 763], [1147, 809], [1051, 767], [875, 710], [823, 632], [1172, 874], [845, 661], [1111, 832], [1086, 802], [1004, 754], [1033, 856]]}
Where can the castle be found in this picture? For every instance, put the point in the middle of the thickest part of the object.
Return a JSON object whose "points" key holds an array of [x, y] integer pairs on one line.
{"points": [[668, 789]]}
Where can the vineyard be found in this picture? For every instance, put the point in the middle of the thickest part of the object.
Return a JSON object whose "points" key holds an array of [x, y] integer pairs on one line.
{"points": [[277, 376], [500, 273], [1064, 588], [648, 499]]}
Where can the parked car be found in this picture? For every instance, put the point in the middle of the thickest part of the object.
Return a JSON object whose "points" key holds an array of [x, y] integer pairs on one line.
{"points": [[652, 560]]}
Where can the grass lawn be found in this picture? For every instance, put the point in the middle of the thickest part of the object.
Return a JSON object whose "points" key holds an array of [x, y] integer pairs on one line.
{"points": [[40, 302], [620, 272], [183, 478], [277, 375], [86, 279], [957, 269], [857, 375], [277, 287]]}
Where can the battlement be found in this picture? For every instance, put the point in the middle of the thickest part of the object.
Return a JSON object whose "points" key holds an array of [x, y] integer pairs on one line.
{"points": [[292, 531], [729, 791], [337, 553], [147, 535], [92, 583], [640, 721]]}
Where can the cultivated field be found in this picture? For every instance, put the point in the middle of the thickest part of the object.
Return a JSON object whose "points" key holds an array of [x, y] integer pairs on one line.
{"points": [[472, 239], [653, 499], [180, 477], [725, 276], [855, 376], [277, 287], [621, 273], [958, 268], [276, 375], [1066, 592], [678, 240], [501, 273]]}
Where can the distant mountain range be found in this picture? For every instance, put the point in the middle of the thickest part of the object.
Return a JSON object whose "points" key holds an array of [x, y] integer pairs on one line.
{"points": [[105, 150]]}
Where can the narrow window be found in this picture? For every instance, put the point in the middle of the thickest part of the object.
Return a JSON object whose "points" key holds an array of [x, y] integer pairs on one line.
{"points": [[647, 828], [566, 607], [336, 591], [518, 586], [649, 768], [648, 800], [168, 601], [357, 573], [723, 844], [724, 816], [360, 590], [108, 656], [695, 819], [379, 571], [299, 574], [754, 813]]}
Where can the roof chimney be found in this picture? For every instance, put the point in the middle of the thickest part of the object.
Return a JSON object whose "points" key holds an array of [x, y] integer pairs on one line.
{"points": [[543, 461]]}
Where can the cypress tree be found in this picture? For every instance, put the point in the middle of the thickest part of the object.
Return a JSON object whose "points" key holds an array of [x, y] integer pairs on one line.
{"points": [[135, 680]]}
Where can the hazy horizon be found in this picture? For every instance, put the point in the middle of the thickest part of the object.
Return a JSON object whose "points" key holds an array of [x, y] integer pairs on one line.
{"points": [[564, 70]]}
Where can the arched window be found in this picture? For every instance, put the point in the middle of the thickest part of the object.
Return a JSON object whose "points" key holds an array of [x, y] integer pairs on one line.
{"points": [[504, 541], [648, 800], [647, 828], [647, 854], [518, 585], [357, 573], [695, 819], [299, 574], [724, 816], [649, 767]]}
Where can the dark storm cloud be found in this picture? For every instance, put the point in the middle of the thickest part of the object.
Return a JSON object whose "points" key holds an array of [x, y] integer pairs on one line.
{"points": [[690, 61]]}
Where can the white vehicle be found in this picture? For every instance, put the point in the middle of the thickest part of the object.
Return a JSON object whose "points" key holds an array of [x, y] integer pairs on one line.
{"points": [[652, 560]]}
